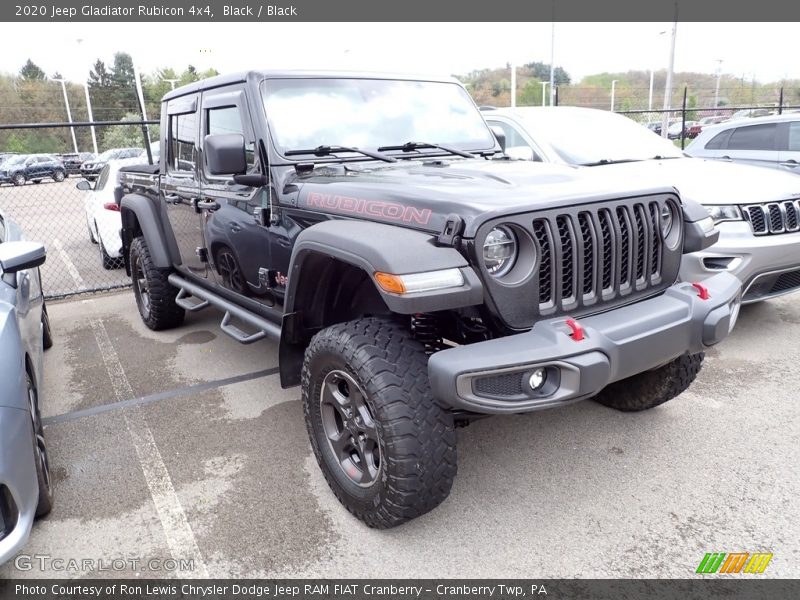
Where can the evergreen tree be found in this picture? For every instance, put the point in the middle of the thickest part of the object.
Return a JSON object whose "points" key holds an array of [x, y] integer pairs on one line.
{"points": [[30, 71]]}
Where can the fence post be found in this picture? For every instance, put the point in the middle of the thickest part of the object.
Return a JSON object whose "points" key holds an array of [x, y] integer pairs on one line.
{"points": [[780, 103], [683, 119], [555, 100]]}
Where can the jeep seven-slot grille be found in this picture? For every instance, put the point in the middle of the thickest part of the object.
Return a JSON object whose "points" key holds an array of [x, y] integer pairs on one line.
{"points": [[599, 252], [773, 217]]}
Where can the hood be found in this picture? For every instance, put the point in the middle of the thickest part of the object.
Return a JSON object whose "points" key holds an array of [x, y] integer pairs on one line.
{"points": [[711, 182], [422, 194]]}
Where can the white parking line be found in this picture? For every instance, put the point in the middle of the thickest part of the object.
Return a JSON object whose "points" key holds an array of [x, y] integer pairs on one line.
{"points": [[178, 532]]}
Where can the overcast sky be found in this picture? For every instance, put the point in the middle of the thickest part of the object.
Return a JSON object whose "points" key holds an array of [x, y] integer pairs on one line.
{"points": [[766, 50]]}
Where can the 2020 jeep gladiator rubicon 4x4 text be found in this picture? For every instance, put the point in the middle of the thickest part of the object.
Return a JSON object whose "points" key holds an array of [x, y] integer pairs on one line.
{"points": [[415, 277]]}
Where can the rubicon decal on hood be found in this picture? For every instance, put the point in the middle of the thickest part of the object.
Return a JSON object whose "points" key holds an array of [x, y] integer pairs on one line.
{"points": [[390, 211]]}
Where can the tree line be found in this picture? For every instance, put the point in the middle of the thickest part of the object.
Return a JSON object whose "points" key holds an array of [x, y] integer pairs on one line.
{"points": [[30, 96]]}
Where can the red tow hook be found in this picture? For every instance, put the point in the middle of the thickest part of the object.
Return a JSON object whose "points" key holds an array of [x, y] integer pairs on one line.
{"points": [[578, 332], [704, 295]]}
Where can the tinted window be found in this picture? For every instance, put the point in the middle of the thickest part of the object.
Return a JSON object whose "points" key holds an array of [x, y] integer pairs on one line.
{"points": [[794, 136], [181, 143], [753, 137], [229, 120], [719, 141]]}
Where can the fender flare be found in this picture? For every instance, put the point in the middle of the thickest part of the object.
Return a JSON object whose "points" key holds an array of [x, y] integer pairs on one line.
{"points": [[140, 212], [374, 247]]}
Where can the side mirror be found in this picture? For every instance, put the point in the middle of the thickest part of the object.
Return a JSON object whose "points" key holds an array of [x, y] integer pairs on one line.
{"points": [[18, 256], [225, 154], [84, 185], [520, 153], [500, 135]]}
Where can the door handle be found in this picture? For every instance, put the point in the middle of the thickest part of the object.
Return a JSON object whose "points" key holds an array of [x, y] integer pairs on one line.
{"points": [[235, 228], [210, 205], [172, 199], [791, 164], [727, 159]]}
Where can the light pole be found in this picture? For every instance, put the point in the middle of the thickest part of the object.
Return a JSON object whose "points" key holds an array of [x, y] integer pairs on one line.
{"points": [[544, 85], [91, 117], [553, 56], [88, 101], [613, 89], [171, 81], [716, 92], [513, 85], [69, 113], [668, 86]]}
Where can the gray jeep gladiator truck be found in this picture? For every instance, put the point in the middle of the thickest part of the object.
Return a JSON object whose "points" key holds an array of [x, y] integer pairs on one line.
{"points": [[414, 276]]}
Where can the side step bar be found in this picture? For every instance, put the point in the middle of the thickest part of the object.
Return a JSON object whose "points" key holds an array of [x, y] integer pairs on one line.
{"points": [[187, 289]]}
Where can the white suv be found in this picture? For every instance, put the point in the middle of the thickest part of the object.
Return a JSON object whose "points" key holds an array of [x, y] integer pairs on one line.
{"points": [[772, 142]]}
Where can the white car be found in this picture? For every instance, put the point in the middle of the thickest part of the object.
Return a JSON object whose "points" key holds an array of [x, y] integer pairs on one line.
{"points": [[103, 218], [772, 142], [757, 211]]}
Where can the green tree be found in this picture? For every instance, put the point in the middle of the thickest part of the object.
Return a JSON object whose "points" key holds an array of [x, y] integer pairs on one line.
{"points": [[30, 71], [541, 71], [127, 136]]}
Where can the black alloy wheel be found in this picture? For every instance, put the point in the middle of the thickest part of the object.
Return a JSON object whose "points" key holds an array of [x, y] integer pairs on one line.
{"points": [[350, 428]]}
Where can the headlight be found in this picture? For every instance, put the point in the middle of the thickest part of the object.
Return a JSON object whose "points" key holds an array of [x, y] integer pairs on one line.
{"points": [[724, 213], [500, 250]]}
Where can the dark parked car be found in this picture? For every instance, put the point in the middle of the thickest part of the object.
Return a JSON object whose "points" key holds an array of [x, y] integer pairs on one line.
{"points": [[72, 162], [91, 168], [32, 167]]}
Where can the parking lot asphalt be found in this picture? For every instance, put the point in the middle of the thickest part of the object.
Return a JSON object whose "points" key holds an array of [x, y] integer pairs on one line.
{"points": [[182, 444]]}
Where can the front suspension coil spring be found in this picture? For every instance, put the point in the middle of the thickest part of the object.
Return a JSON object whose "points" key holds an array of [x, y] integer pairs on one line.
{"points": [[425, 328]]}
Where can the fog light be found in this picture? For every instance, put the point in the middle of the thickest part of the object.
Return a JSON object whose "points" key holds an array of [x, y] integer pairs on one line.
{"points": [[537, 379]]}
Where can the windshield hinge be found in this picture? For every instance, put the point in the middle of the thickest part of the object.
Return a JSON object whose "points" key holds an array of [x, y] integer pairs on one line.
{"points": [[452, 229]]}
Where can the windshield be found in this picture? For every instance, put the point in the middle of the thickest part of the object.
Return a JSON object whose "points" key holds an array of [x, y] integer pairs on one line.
{"points": [[15, 160], [583, 137], [371, 113], [108, 155]]}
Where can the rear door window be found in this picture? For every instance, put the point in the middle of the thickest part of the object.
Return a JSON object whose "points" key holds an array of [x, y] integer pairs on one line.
{"points": [[753, 137]]}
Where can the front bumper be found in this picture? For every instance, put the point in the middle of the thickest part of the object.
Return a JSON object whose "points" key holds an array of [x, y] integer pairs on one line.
{"points": [[18, 485], [490, 377], [767, 265]]}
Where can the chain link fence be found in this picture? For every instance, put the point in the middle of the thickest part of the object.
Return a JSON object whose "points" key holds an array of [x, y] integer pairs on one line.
{"points": [[79, 227]]}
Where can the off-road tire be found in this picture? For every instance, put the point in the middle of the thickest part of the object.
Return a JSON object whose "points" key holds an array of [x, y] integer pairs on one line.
{"points": [[417, 438], [651, 388], [158, 310], [47, 333], [45, 502]]}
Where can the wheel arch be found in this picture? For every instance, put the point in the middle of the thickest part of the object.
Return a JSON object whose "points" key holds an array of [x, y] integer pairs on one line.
{"points": [[331, 280], [141, 216]]}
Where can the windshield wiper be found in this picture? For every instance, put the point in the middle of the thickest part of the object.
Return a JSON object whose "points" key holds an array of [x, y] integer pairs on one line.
{"points": [[609, 161], [329, 150], [411, 146]]}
